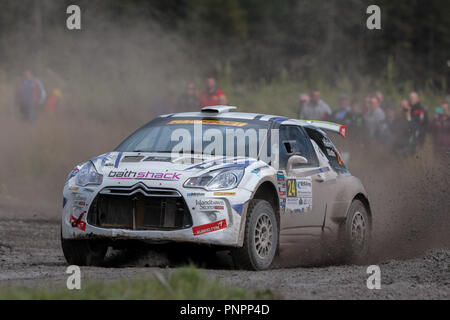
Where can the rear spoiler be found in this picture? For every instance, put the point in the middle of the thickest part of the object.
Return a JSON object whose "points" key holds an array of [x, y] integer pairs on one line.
{"points": [[328, 126]]}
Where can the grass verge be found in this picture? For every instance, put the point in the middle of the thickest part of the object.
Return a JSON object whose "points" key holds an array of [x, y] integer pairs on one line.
{"points": [[184, 283]]}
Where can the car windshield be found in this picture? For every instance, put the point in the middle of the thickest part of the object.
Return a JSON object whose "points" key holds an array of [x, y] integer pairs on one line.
{"points": [[210, 136]]}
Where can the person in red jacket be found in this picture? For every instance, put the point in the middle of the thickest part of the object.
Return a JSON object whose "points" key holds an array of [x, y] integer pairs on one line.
{"points": [[52, 104], [212, 96]]}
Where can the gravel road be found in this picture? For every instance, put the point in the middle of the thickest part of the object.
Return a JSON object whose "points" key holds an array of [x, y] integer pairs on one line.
{"points": [[30, 255], [410, 200]]}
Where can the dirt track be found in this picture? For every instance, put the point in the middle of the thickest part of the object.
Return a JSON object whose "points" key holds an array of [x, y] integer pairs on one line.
{"points": [[412, 245], [30, 255]]}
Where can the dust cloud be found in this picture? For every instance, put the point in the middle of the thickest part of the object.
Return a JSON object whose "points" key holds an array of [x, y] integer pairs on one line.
{"points": [[114, 75], [409, 198], [117, 75]]}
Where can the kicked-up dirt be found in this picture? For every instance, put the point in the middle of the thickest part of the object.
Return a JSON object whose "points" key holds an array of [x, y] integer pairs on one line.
{"points": [[411, 243]]}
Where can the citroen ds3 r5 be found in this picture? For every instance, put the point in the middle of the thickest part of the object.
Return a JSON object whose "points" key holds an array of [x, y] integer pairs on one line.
{"points": [[253, 184]]}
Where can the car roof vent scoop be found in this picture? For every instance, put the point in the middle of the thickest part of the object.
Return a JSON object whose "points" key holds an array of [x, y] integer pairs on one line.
{"points": [[218, 109]]}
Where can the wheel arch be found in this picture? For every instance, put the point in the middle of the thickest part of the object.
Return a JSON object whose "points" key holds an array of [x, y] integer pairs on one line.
{"points": [[269, 192], [365, 201], [265, 190]]}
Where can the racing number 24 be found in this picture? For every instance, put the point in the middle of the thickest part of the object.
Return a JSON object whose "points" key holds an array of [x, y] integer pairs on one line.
{"points": [[291, 188]]}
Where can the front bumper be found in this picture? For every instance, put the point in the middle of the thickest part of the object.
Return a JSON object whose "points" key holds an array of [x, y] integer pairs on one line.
{"points": [[216, 217]]}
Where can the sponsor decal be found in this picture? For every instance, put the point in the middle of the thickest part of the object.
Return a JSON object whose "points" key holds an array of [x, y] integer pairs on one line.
{"points": [[213, 122], [224, 194], [304, 186], [298, 205], [195, 194], [282, 188], [77, 222], [300, 200], [210, 227], [79, 202], [208, 205], [148, 175]]}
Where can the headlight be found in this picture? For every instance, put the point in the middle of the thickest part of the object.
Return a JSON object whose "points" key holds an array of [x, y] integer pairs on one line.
{"points": [[221, 179], [88, 175]]}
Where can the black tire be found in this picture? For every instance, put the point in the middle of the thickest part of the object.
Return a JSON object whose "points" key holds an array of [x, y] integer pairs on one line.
{"points": [[84, 252], [261, 220], [356, 234]]}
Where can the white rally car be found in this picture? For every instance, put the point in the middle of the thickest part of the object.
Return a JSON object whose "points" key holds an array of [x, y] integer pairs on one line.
{"points": [[255, 184]]}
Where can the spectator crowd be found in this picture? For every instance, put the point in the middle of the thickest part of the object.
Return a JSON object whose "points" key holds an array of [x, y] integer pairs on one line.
{"points": [[401, 128]]}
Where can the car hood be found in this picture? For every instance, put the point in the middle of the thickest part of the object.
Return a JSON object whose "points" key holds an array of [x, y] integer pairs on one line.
{"points": [[130, 165]]}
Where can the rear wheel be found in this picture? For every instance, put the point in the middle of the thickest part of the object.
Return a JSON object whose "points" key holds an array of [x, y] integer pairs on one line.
{"points": [[84, 252], [260, 238], [357, 234]]}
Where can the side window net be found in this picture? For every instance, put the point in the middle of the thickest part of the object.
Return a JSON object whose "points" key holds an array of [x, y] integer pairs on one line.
{"points": [[328, 149]]}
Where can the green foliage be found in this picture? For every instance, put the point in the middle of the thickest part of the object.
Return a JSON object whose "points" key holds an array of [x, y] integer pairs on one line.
{"points": [[181, 284], [304, 38]]}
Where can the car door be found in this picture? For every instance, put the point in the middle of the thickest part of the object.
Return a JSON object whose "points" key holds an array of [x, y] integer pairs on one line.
{"points": [[335, 181], [305, 197]]}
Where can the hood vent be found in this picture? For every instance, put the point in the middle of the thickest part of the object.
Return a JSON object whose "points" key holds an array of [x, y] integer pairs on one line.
{"points": [[132, 159], [158, 158]]}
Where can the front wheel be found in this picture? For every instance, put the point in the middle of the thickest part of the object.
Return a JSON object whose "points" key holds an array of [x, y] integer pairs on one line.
{"points": [[260, 238], [84, 252]]}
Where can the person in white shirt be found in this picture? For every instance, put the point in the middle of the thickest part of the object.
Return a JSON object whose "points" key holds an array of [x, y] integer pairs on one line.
{"points": [[316, 109]]}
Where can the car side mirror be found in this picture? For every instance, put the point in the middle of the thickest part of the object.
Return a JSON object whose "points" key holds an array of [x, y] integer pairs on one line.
{"points": [[295, 160]]}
